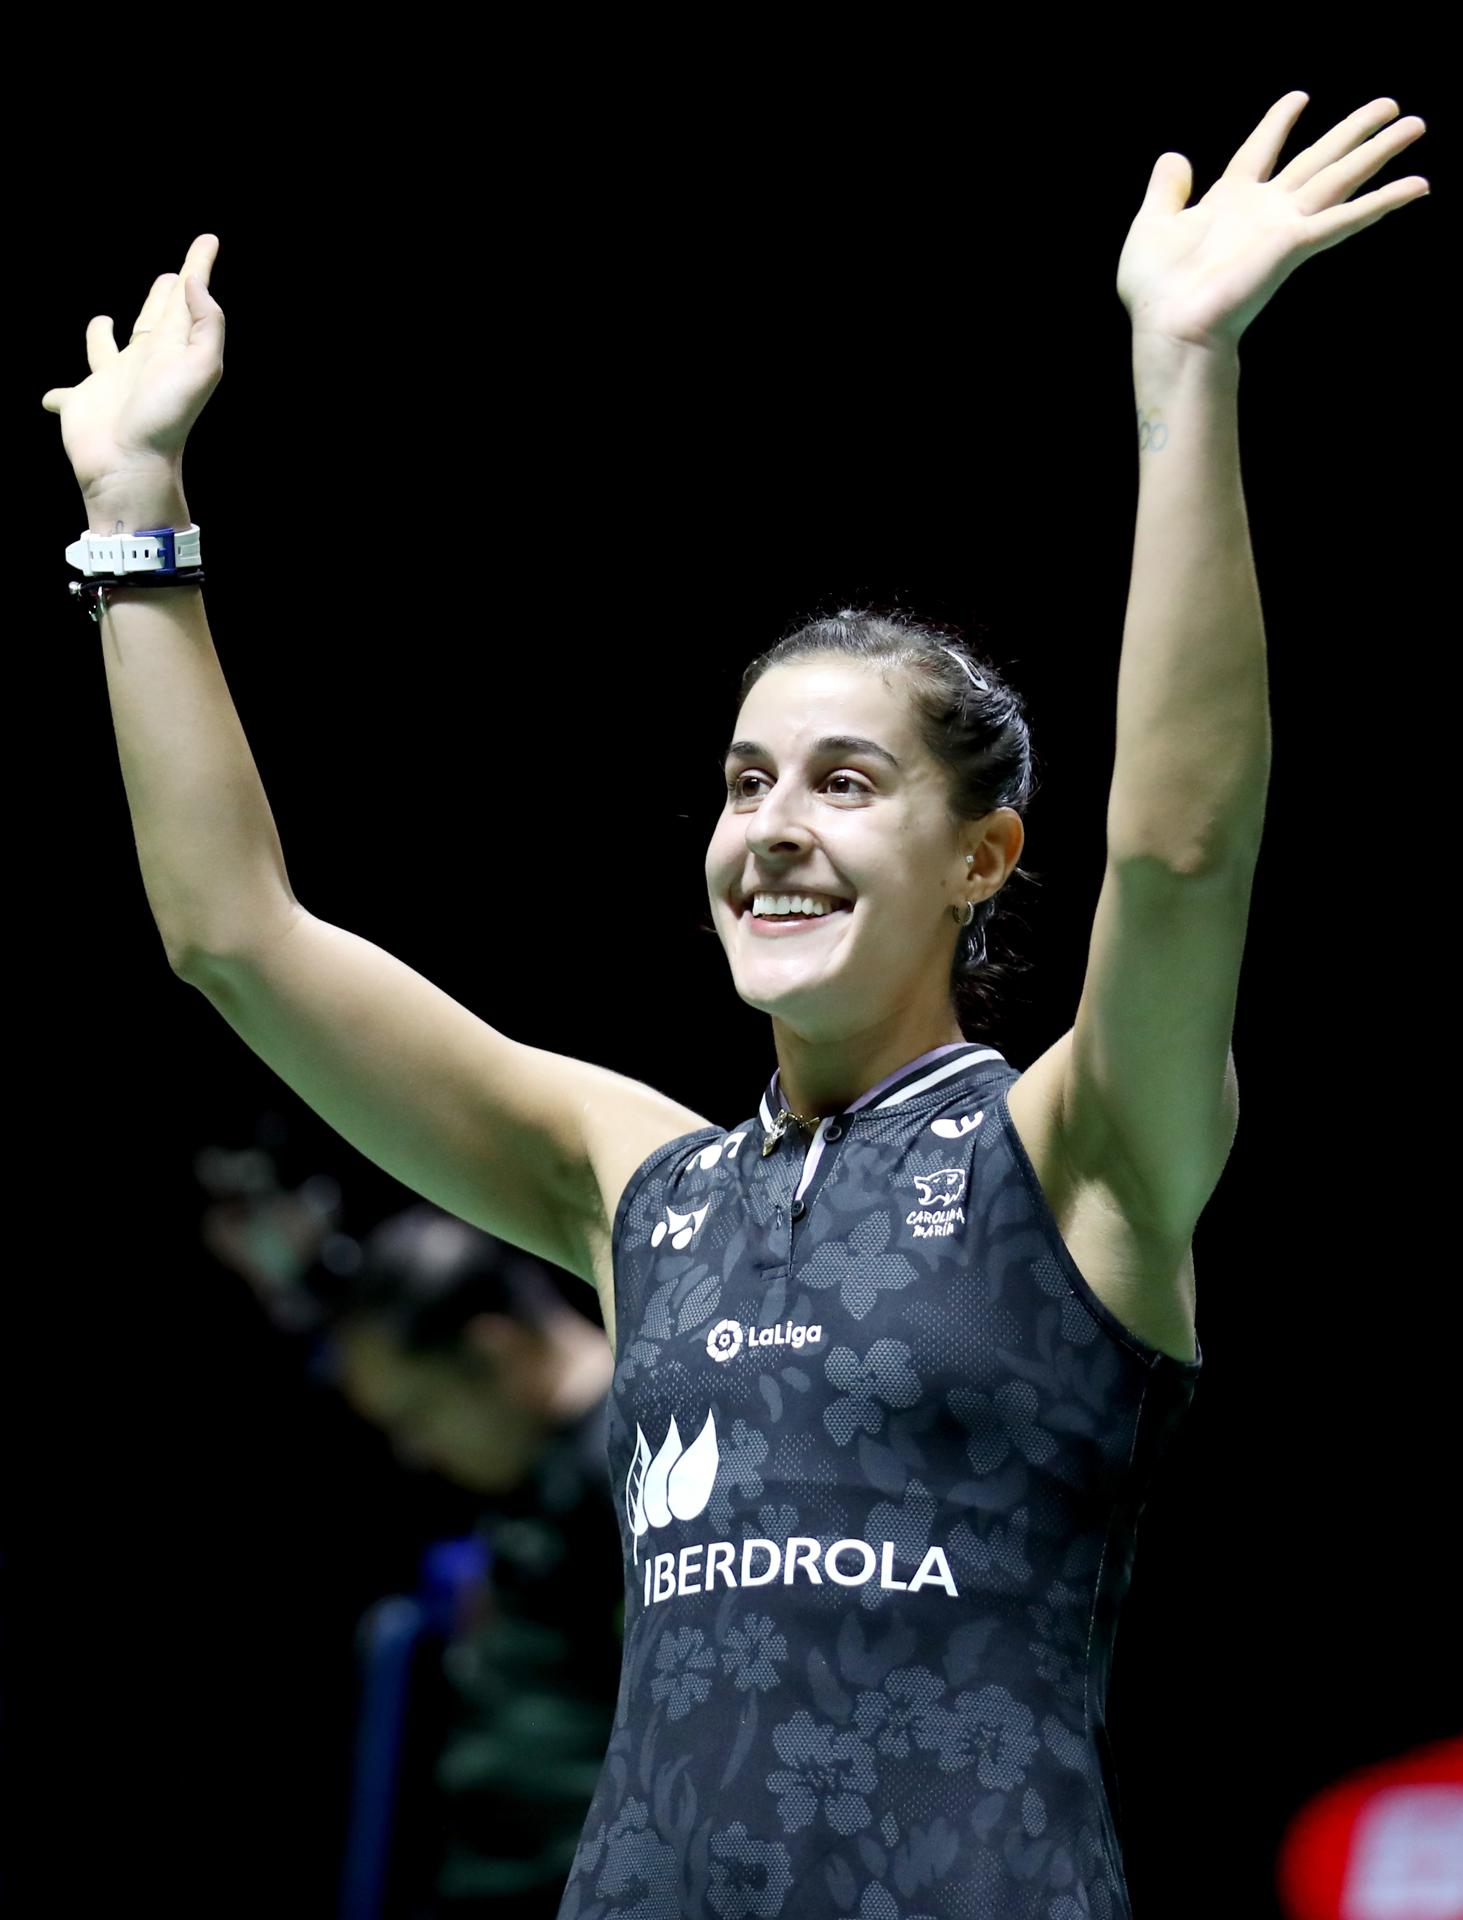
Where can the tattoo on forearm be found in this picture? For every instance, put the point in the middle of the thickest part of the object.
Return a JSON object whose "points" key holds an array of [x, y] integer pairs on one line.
{"points": [[1152, 433]]}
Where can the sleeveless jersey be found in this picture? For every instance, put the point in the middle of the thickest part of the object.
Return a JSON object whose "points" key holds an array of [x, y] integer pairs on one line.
{"points": [[879, 1454]]}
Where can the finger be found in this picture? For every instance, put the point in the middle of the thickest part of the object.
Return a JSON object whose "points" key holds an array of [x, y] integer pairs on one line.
{"points": [[1259, 153], [1345, 135], [1324, 230], [100, 346], [150, 312], [206, 335], [1169, 185], [1344, 176], [176, 321]]}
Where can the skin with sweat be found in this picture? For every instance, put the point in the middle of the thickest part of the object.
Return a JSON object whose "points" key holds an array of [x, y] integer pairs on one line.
{"points": [[855, 995]]}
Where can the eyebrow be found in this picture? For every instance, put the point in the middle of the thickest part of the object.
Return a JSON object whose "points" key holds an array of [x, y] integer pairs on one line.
{"points": [[830, 743]]}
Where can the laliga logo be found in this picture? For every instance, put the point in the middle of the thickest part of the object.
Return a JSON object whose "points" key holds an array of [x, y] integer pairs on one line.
{"points": [[724, 1342], [676, 1484]]}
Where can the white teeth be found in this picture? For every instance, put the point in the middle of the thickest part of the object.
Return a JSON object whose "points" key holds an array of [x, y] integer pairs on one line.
{"points": [[766, 904]]}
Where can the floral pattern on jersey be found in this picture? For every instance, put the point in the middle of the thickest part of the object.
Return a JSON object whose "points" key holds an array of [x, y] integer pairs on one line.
{"points": [[1002, 1423], [986, 1728], [1060, 1620], [750, 1879], [992, 1554], [685, 1298], [859, 1267], [744, 1450], [883, 1378], [892, 1716], [847, 1746], [684, 1663], [827, 1774], [638, 1867], [753, 1652]]}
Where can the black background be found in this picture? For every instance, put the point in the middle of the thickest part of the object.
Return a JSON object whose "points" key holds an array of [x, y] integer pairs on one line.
{"points": [[546, 405]]}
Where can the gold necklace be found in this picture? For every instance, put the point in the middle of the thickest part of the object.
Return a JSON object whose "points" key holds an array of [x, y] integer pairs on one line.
{"points": [[779, 1127]]}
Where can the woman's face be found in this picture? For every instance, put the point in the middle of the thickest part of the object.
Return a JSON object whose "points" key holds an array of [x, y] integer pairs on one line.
{"points": [[831, 792]]}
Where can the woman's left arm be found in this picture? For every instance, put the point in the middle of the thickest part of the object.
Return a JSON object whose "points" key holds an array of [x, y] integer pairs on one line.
{"points": [[1193, 732], [1149, 1099]]}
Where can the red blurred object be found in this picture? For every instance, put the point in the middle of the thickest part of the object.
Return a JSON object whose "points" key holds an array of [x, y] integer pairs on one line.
{"points": [[1382, 1844]]}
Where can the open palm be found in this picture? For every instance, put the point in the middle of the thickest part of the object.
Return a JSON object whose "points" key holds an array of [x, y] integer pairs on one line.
{"points": [[1200, 274], [135, 410]]}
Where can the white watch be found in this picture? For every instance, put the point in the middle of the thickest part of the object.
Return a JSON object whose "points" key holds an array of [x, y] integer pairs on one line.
{"points": [[148, 550]]}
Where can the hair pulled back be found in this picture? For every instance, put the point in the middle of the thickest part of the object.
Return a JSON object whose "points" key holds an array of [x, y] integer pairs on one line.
{"points": [[978, 734]]}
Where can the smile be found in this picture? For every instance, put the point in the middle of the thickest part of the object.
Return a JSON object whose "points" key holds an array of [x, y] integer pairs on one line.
{"points": [[782, 925]]}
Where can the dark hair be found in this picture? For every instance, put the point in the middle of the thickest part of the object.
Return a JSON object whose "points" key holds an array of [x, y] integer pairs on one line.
{"points": [[426, 1273], [978, 734]]}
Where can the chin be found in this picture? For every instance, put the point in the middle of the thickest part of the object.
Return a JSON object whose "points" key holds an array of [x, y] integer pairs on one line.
{"points": [[815, 1010]]}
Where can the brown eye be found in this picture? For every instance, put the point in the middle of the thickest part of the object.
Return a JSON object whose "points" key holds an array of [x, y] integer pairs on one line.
{"points": [[852, 785]]}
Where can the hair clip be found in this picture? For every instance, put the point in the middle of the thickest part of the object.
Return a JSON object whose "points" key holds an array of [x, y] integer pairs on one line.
{"points": [[975, 679]]}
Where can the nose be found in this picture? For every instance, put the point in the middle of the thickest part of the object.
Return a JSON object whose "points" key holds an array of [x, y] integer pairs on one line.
{"points": [[777, 830]]}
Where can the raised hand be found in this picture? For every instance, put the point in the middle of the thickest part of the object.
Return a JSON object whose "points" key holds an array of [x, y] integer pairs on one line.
{"points": [[1200, 274], [126, 424]]}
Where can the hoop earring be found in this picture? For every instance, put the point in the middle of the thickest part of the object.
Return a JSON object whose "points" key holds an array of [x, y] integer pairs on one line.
{"points": [[963, 917]]}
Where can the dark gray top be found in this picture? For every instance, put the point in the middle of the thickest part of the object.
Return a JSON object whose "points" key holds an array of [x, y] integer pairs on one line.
{"points": [[879, 1454]]}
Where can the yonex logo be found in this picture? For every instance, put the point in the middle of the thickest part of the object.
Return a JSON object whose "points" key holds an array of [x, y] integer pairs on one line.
{"points": [[707, 1157], [682, 1227]]}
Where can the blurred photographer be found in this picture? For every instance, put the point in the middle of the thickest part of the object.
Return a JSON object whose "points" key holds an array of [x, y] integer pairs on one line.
{"points": [[468, 1355]]}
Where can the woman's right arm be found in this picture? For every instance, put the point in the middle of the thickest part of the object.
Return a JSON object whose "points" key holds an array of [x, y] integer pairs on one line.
{"points": [[526, 1144]]}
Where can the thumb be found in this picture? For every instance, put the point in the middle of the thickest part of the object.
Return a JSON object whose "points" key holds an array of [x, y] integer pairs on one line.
{"points": [[205, 317], [1169, 185]]}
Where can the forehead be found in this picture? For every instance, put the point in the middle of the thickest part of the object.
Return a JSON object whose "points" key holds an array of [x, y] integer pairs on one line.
{"points": [[808, 698]]}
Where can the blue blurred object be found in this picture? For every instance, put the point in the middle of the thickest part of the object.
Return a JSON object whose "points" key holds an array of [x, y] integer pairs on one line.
{"points": [[450, 1569], [387, 1640]]}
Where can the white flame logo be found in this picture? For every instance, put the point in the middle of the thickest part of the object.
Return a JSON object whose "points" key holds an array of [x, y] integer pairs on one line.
{"points": [[675, 1485], [957, 1129]]}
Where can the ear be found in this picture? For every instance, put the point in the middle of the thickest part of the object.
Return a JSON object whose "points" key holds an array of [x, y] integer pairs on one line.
{"points": [[1000, 847]]}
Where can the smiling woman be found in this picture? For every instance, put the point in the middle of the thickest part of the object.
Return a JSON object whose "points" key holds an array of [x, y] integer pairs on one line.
{"points": [[936, 1500], [938, 777]]}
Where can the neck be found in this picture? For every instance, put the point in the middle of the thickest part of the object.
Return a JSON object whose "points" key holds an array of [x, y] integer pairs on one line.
{"points": [[825, 1076]]}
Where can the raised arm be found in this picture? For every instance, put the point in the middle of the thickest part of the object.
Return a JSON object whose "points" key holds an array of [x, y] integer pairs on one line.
{"points": [[524, 1143], [1149, 1094]]}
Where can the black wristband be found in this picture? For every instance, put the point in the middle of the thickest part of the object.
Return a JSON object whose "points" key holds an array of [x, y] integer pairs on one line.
{"points": [[92, 593]]}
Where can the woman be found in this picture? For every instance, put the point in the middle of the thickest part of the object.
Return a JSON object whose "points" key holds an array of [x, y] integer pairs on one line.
{"points": [[897, 1354]]}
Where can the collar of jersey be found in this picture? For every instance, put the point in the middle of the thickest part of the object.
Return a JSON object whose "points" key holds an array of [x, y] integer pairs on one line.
{"points": [[928, 1073]]}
